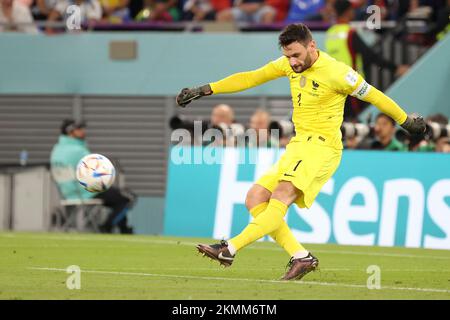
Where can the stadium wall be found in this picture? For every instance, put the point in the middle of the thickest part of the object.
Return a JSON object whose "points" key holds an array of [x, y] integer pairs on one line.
{"points": [[374, 198], [165, 62]]}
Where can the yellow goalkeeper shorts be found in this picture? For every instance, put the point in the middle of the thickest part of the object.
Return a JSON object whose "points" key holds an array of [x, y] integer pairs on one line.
{"points": [[308, 163]]}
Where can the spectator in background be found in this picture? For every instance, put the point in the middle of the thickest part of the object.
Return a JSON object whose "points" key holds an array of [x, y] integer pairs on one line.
{"points": [[417, 8], [43, 8], [198, 10], [428, 144], [220, 5], [281, 7], [345, 44], [248, 11], [27, 3], [193, 132], [384, 131], [90, 11], [115, 11], [260, 122], [222, 118], [159, 10], [222, 114], [441, 26], [135, 6], [401, 7], [327, 13], [304, 10], [71, 147], [435, 14], [443, 145], [15, 16], [324, 13]]}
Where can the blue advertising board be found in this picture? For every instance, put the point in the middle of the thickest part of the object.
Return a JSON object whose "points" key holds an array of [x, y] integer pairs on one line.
{"points": [[374, 198]]}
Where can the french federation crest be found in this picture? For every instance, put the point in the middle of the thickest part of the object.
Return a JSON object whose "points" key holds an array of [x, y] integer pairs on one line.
{"points": [[302, 81]]}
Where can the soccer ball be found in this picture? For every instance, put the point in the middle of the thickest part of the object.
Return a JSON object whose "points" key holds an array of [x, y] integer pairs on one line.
{"points": [[95, 173]]}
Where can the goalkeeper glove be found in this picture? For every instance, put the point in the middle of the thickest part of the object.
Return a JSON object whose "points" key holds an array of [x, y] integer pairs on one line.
{"points": [[414, 124], [188, 94]]}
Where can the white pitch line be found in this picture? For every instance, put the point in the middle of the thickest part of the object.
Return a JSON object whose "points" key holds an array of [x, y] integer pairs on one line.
{"points": [[329, 284], [400, 255], [186, 243], [263, 269], [278, 268]]}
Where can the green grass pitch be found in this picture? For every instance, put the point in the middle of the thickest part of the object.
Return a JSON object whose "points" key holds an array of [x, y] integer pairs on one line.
{"points": [[33, 266]]}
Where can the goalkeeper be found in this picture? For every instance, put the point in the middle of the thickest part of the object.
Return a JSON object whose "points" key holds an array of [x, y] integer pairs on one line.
{"points": [[319, 86]]}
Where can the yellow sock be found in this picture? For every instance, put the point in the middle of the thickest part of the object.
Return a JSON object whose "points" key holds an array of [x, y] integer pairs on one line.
{"points": [[283, 235], [265, 223]]}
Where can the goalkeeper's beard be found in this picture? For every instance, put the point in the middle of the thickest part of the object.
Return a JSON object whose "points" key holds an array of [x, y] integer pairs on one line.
{"points": [[306, 65]]}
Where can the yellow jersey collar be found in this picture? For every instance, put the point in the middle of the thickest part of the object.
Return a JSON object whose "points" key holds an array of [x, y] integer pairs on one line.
{"points": [[318, 63]]}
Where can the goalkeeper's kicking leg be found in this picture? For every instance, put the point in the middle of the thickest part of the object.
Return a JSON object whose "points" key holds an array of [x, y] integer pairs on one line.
{"points": [[256, 202], [268, 210]]}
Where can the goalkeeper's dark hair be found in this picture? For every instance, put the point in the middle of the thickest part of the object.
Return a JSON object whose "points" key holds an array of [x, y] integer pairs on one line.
{"points": [[296, 32]]}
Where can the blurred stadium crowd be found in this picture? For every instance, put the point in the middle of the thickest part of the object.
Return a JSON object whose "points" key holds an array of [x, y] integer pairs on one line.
{"points": [[20, 14], [262, 131]]}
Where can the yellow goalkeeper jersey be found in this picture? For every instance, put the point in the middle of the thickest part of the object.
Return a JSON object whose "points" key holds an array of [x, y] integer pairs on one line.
{"points": [[318, 94]]}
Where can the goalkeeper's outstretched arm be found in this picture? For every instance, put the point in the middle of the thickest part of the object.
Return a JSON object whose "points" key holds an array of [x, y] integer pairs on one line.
{"points": [[244, 80], [233, 83], [413, 123]]}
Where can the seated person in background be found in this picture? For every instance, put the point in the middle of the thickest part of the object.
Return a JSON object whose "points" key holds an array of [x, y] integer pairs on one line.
{"points": [[222, 118], [443, 145], [419, 8], [15, 16], [43, 8], [115, 11], [281, 7], [199, 10], [208, 131], [222, 114], [259, 122], [327, 13], [135, 6], [27, 3], [304, 10], [159, 10], [438, 144], [90, 10], [384, 136], [319, 12], [441, 24], [71, 147], [248, 11]]}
